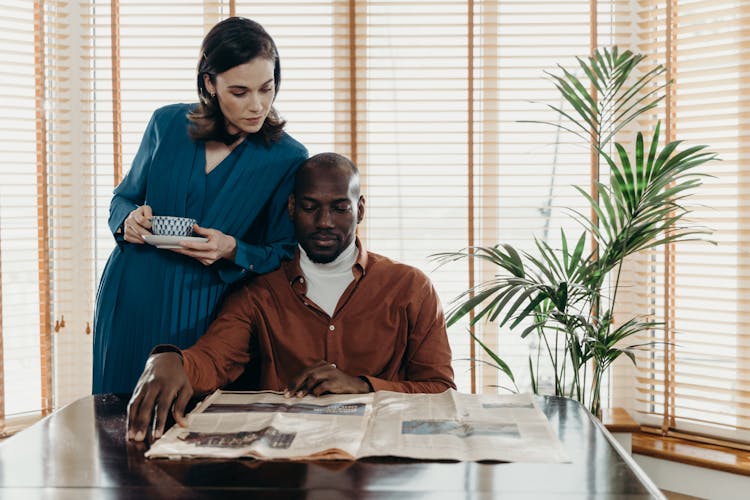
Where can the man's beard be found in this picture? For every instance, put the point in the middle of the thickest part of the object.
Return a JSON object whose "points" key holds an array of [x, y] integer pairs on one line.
{"points": [[323, 259]]}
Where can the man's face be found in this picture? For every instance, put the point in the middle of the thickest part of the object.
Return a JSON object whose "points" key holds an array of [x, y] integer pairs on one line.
{"points": [[326, 210]]}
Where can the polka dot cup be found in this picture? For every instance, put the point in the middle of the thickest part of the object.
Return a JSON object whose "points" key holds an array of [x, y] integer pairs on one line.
{"points": [[164, 225]]}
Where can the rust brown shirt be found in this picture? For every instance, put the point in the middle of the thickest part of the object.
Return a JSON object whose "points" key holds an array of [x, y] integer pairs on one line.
{"points": [[387, 326]]}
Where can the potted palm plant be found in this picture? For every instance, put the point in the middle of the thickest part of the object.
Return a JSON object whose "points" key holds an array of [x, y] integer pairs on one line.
{"points": [[567, 295]]}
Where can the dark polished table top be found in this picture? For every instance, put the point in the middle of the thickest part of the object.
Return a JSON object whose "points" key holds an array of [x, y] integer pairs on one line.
{"points": [[81, 452]]}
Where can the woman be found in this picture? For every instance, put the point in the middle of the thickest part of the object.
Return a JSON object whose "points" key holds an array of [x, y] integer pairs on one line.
{"points": [[225, 162]]}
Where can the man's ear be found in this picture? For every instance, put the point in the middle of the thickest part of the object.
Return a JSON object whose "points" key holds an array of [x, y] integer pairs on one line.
{"points": [[360, 209], [290, 206]]}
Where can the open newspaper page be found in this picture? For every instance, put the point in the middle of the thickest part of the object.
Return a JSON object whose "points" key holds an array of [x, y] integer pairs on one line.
{"points": [[460, 426], [266, 425], [451, 425]]}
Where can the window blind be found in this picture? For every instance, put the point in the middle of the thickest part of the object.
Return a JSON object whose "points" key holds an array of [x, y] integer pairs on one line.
{"points": [[70, 218], [18, 213], [526, 169], [698, 382]]}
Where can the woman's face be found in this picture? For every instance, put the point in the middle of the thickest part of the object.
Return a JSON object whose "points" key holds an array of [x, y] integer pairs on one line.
{"points": [[245, 94]]}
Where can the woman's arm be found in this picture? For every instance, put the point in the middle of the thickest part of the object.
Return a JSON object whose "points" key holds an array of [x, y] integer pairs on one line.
{"points": [[131, 192], [269, 240]]}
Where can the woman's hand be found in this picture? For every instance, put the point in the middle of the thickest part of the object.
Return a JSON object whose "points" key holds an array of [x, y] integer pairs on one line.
{"points": [[219, 246], [137, 225]]}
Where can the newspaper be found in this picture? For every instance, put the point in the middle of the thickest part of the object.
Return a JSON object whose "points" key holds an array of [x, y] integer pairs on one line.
{"points": [[452, 425]]}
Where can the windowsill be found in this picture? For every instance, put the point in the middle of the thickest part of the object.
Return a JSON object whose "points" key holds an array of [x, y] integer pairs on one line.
{"points": [[619, 420], [675, 449], [710, 456], [18, 423]]}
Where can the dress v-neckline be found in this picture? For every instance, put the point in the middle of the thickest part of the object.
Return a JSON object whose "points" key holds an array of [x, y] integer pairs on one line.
{"points": [[223, 161], [231, 171]]}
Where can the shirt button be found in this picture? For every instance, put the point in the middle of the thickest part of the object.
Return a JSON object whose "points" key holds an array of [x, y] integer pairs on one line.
{"points": [[331, 327]]}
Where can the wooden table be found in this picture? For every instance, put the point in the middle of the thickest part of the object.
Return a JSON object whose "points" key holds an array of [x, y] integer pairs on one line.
{"points": [[81, 452]]}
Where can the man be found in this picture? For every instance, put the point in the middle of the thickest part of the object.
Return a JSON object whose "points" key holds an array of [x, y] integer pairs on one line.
{"points": [[336, 319]]}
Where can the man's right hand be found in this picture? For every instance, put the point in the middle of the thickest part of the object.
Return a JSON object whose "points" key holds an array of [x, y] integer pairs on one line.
{"points": [[162, 384]]}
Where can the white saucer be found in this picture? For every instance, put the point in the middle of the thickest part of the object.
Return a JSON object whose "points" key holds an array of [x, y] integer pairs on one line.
{"points": [[170, 241]]}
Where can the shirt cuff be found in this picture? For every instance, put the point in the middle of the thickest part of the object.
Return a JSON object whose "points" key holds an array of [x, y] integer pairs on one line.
{"points": [[162, 348], [369, 384]]}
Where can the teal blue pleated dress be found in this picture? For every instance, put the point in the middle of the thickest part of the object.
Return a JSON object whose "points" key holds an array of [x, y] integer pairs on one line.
{"points": [[149, 296]]}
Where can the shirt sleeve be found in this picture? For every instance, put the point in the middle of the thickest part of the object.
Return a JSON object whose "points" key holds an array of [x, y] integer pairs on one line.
{"points": [[220, 356], [277, 237], [131, 192], [427, 367]]}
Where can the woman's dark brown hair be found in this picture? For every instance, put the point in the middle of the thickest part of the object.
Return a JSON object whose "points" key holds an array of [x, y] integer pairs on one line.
{"points": [[233, 41]]}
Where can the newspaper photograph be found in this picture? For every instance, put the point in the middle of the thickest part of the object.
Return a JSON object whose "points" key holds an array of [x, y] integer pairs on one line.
{"points": [[452, 425]]}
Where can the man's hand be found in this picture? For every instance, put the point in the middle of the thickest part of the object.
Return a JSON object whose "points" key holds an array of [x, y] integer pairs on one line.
{"points": [[325, 378], [162, 383]]}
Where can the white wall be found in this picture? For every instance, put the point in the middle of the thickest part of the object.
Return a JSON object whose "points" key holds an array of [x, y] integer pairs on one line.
{"points": [[695, 481]]}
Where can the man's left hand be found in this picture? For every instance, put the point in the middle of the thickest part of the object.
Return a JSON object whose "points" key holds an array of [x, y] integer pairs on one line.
{"points": [[325, 378]]}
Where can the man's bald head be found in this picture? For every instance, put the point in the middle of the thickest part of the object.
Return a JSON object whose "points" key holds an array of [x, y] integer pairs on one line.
{"points": [[327, 164], [326, 206]]}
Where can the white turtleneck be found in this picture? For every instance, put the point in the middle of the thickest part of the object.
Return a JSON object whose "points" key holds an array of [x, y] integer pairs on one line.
{"points": [[326, 282]]}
